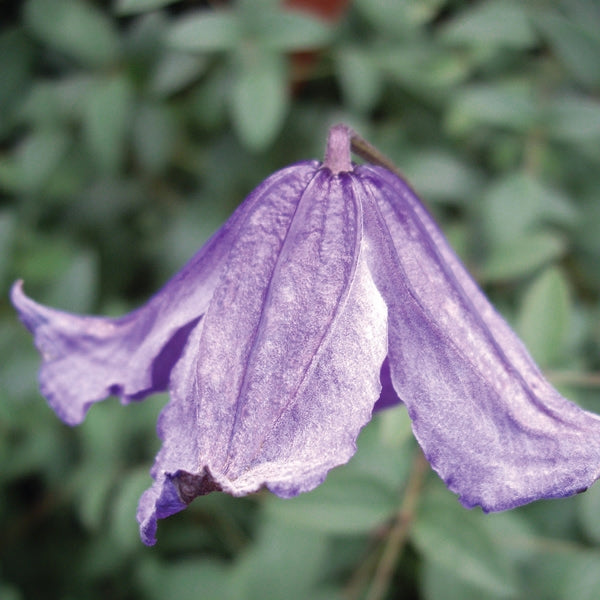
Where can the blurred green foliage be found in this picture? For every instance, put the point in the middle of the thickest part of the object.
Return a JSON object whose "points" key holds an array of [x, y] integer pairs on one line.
{"points": [[129, 130]]}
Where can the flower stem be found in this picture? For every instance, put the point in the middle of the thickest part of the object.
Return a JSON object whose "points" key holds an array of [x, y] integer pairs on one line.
{"points": [[342, 140], [398, 535], [362, 148]]}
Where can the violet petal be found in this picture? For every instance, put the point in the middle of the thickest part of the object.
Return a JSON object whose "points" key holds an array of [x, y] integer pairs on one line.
{"points": [[303, 373], [490, 424], [85, 359]]}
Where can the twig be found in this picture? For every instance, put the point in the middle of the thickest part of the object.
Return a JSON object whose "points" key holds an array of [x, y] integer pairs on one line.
{"points": [[362, 148], [398, 535]]}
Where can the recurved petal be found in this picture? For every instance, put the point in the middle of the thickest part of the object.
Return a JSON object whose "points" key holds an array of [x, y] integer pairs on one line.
{"points": [[489, 422], [284, 370], [85, 358]]}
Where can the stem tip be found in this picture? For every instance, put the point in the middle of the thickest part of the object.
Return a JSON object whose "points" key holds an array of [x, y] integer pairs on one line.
{"points": [[337, 154]]}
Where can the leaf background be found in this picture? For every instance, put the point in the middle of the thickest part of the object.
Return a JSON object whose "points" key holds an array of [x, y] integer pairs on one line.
{"points": [[129, 130]]}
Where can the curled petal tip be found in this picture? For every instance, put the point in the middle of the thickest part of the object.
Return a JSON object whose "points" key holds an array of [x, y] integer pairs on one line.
{"points": [[17, 287], [30, 312]]}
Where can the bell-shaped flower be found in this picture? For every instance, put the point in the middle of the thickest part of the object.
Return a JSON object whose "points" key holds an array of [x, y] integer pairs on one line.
{"points": [[329, 288]]}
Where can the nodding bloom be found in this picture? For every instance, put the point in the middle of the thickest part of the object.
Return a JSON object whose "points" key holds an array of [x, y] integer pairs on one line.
{"points": [[329, 289]]}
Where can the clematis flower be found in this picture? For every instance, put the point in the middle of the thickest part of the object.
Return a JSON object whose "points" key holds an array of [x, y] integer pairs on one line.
{"points": [[328, 290]]}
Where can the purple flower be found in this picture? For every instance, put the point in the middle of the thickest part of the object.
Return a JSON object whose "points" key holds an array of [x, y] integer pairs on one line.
{"points": [[329, 288]]}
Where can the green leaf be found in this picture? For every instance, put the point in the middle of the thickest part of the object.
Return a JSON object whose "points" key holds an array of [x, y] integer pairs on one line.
{"points": [[360, 77], [514, 535], [574, 119], [184, 578], [50, 102], [422, 67], [206, 32], [289, 31], [518, 203], [509, 261], [123, 528], [285, 562], [186, 232], [399, 16], [347, 503], [93, 484], [441, 583], [495, 22], [106, 117], [38, 156], [588, 505], [441, 176], [577, 44], [586, 233], [259, 99], [154, 135], [131, 7], [551, 518], [511, 105], [76, 28], [581, 580], [44, 259], [456, 540], [207, 108], [544, 318], [8, 232], [75, 289], [384, 455], [564, 574], [175, 71], [43, 446], [17, 57]]}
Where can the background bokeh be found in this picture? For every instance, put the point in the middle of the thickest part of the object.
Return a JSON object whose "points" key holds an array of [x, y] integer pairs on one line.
{"points": [[129, 131]]}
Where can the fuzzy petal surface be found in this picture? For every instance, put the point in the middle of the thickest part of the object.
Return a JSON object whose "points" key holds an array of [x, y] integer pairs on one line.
{"points": [[86, 358], [490, 424], [283, 404]]}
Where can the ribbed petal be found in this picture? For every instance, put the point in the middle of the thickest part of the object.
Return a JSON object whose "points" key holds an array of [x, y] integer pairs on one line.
{"points": [[489, 423], [276, 384], [87, 358]]}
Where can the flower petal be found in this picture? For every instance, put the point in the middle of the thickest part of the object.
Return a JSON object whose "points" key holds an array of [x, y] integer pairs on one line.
{"points": [[388, 396], [87, 358], [282, 374], [489, 423]]}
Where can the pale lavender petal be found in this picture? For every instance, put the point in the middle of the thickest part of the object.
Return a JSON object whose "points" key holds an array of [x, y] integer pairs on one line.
{"points": [[275, 385], [85, 359], [489, 423]]}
